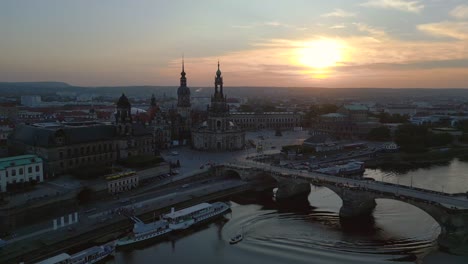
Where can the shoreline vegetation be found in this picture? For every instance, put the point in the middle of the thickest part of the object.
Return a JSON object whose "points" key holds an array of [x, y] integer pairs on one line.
{"points": [[403, 162]]}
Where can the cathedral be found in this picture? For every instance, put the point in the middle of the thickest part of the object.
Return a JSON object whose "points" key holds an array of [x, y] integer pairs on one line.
{"points": [[218, 132]]}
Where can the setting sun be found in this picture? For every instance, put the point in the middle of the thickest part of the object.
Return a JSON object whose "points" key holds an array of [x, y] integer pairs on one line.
{"points": [[322, 53]]}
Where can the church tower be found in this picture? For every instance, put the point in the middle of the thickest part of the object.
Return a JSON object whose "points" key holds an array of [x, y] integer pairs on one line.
{"points": [[183, 96], [218, 132], [218, 111], [123, 116], [219, 100]]}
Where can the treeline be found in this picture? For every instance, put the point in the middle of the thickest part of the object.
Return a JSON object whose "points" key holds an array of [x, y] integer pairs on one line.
{"points": [[317, 110], [392, 118], [411, 138], [414, 138]]}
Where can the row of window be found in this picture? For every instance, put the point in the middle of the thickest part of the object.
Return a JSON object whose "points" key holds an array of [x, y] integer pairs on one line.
{"points": [[75, 152], [252, 120], [88, 160], [37, 178], [21, 171], [124, 182]]}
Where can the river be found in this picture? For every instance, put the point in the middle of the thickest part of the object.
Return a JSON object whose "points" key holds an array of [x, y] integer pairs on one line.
{"points": [[309, 230]]}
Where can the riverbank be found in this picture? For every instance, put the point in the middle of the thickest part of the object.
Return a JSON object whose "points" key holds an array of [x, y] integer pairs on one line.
{"points": [[40, 249], [403, 162]]}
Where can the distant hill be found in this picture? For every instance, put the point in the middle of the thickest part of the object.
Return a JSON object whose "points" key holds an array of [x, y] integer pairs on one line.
{"points": [[35, 84], [50, 89], [21, 88]]}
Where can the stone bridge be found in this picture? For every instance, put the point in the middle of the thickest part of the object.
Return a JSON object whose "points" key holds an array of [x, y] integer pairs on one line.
{"points": [[358, 197]]}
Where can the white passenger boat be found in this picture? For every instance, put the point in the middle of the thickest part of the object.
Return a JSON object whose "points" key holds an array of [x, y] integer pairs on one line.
{"points": [[352, 168], [187, 217], [142, 231], [87, 256], [236, 239]]}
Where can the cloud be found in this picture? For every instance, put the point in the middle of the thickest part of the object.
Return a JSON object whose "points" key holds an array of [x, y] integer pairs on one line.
{"points": [[460, 12], [371, 59], [273, 24], [339, 13], [456, 30], [242, 26], [403, 5], [375, 32], [339, 26]]}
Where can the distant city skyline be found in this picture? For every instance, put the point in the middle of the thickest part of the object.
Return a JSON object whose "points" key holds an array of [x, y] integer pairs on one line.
{"points": [[363, 43]]}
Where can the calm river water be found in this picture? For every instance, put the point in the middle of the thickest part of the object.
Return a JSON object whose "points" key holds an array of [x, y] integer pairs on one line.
{"points": [[308, 230]]}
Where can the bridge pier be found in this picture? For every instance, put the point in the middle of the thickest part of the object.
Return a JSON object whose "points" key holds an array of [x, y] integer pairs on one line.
{"points": [[355, 204], [453, 237], [287, 189]]}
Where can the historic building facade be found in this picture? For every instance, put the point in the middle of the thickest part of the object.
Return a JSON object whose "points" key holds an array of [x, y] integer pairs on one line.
{"points": [[267, 120], [218, 132], [350, 122], [19, 170], [133, 138], [121, 182], [68, 146]]}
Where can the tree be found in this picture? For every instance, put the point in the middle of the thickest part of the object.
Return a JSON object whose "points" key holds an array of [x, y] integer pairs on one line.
{"points": [[411, 138], [394, 118], [463, 126], [379, 133], [414, 138], [440, 139]]}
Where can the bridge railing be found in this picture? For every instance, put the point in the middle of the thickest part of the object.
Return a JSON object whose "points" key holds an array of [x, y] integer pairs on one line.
{"points": [[333, 178]]}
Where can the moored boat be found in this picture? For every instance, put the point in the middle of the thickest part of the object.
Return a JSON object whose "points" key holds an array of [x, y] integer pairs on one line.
{"points": [[185, 218], [87, 256], [142, 232]]}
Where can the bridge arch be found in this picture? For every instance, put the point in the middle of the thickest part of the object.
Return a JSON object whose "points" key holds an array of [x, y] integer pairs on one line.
{"points": [[357, 201], [233, 174]]}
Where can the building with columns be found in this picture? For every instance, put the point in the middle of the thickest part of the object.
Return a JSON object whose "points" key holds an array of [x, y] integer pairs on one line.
{"points": [[267, 120], [218, 132]]}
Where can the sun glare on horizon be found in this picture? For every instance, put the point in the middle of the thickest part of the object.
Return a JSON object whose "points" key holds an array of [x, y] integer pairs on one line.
{"points": [[320, 54]]}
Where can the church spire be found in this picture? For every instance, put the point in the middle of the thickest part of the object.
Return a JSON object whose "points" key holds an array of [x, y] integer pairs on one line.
{"points": [[183, 79], [183, 69], [183, 92], [218, 83]]}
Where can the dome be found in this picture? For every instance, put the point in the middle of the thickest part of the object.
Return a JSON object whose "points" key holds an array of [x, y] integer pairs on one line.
{"points": [[123, 102], [218, 72]]}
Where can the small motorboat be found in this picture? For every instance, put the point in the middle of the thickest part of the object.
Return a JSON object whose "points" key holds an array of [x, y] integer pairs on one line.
{"points": [[236, 239]]}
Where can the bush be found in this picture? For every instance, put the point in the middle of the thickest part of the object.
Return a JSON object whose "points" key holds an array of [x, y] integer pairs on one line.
{"points": [[380, 133]]}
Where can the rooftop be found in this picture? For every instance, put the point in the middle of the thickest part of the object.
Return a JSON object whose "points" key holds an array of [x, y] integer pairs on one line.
{"points": [[18, 161], [356, 107], [263, 113], [188, 210], [333, 115]]}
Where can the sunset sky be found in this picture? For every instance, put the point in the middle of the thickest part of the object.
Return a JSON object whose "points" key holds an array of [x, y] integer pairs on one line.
{"points": [[347, 43]]}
